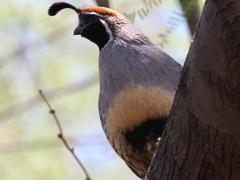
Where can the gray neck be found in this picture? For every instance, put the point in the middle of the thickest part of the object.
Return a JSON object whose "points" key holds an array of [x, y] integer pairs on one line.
{"points": [[122, 30]]}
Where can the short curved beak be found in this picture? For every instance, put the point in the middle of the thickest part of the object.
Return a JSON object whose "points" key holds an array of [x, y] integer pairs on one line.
{"points": [[78, 30]]}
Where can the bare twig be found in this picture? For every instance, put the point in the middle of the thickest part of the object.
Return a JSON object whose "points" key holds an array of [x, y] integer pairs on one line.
{"points": [[61, 135], [51, 94]]}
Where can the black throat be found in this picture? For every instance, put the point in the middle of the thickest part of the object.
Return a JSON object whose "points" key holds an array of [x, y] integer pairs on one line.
{"points": [[97, 33]]}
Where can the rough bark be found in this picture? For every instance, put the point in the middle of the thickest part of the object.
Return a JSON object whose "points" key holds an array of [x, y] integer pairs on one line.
{"points": [[191, 12], [201, 139]]}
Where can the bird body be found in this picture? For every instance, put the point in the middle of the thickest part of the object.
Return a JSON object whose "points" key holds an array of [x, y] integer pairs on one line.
{"points": [[138, 82], [136, 93]]}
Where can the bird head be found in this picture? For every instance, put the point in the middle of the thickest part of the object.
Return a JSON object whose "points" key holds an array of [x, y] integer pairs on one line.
{"points": [[98, 24]]}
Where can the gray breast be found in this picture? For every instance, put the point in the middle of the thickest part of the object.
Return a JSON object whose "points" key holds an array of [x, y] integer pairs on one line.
{"points": [[122, 64]]}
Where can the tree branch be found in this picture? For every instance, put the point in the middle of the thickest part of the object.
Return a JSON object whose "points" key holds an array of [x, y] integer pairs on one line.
{"points": [[201, 138], [62, 136], [61, 91]]}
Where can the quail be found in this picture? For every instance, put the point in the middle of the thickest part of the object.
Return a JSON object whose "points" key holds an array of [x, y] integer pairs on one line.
{"points": [[138, 82]]}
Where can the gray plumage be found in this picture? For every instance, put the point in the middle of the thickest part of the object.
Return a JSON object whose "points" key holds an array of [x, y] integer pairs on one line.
{"points": [[131, 58]]}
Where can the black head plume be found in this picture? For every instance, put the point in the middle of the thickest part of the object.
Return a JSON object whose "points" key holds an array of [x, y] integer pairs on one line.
{"points": [[56, 7]]}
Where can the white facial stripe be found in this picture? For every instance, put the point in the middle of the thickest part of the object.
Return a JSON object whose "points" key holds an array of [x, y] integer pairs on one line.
{"points": [[103, 23], [93, 13], [107, 29]]}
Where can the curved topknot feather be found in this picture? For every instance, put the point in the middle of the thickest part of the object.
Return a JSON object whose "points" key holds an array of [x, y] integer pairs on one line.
{"points": [[56, 7]]}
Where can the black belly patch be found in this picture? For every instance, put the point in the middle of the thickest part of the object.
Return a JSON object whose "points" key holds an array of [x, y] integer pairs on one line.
{"points": [[150, 130]]}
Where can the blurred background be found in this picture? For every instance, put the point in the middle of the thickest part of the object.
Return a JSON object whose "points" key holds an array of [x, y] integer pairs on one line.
{"points": [[40, 52]]}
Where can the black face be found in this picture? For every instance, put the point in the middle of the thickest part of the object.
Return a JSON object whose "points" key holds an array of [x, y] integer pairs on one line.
{"points": [[91, 27]]}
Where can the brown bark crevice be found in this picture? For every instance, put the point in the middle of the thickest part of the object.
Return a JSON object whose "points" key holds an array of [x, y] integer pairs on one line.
{"points": [[201, 139]]}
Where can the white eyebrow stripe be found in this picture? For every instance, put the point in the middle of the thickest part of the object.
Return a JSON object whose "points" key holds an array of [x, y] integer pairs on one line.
{"points": [[107, 29], [92, 13]]}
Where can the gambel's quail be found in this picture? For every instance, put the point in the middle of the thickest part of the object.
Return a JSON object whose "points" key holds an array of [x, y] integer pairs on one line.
{"points": [[138, 82]]}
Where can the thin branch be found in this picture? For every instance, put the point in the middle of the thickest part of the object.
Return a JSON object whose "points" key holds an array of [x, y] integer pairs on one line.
{"points": [[61, 135], [61, 91]]}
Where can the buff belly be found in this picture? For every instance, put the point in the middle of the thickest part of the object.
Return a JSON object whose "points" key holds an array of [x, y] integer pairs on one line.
{"points": [[134, 123]]}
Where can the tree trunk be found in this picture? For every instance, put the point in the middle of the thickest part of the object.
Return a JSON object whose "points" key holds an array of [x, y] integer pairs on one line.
{"points": [[202, 137]]}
